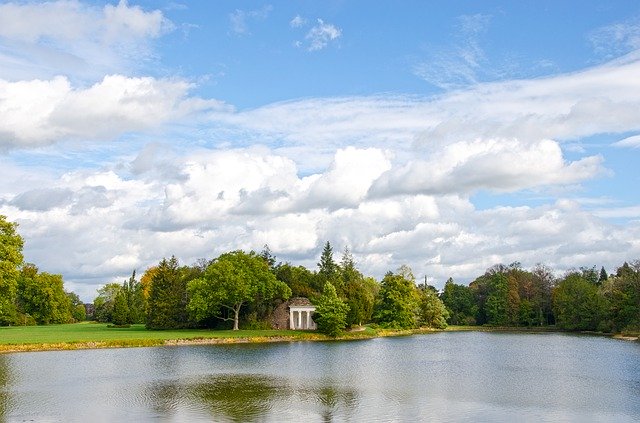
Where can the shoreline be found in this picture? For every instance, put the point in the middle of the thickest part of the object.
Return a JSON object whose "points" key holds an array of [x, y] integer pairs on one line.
{"points": [[353, 335]]}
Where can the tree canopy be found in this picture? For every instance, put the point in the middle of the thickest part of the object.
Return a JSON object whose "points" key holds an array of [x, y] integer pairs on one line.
{"points": [[231, 281]]}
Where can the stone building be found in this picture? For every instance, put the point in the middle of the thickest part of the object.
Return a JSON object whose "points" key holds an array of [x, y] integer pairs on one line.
{"points": [[296, 314]]}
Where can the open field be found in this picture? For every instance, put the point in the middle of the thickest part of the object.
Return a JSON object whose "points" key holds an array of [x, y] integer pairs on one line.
{"points": [[99, 335]]}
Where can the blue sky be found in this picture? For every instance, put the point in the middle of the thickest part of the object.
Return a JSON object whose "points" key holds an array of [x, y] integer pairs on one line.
{"points": [[448, 136]]}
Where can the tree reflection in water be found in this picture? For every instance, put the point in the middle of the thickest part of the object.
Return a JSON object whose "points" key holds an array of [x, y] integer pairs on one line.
{"points": [[246, 397], [5, 379]]}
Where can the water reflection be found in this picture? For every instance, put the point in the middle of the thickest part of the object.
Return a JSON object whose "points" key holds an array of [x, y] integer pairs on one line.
{"points": [[249, 397], [439, 377], [4, 386]]}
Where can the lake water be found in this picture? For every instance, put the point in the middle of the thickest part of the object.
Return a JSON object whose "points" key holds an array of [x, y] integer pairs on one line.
{"points": [[456, 376]]}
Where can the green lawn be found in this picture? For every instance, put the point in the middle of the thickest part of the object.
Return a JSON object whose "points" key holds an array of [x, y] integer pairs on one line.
{"points": [[82, 335], [98, 332]]}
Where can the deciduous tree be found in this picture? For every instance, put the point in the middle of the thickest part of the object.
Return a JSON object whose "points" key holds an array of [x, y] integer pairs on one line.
{"points": [[331, 312], [11, 244], [231, 281]]}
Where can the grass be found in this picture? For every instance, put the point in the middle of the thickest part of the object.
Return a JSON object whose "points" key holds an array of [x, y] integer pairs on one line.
{"points": [[98, 335]]}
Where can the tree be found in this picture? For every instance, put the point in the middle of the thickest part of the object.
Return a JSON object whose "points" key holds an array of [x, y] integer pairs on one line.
{"points": [[10, 259], [622, 291], [132, 291], [460, 304], [358, 292], [603, 276], [78, 311], [120, 315], [432, 311], [398, 302], [268, 257], [576, 303], [231, 281], [299, 279], [41, 295], [103, 303], [327, 268], [167, 297], [331, 312], [497, 305]]}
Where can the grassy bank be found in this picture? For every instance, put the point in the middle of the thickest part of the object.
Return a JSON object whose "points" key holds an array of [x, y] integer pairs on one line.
{"points": [[97, 335]]}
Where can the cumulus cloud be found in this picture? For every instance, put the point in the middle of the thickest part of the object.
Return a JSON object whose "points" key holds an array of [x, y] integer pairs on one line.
{"points": [[107, 222], [493, 164], [44, 39], [39, 112], [389, 176]]}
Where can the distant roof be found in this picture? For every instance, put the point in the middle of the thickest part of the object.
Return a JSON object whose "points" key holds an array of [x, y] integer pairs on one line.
{"points": [[299, 302]]}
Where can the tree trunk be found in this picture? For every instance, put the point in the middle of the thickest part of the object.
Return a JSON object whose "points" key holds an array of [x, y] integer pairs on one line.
{"points": [[236, 317]]}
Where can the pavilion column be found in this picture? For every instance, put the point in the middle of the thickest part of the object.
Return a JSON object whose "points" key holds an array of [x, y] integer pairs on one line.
{"points": [[291, 323], [308, 319], [299, 319]]}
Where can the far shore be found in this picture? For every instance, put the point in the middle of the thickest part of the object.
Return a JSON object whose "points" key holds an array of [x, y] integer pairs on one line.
{"points": [[97, 336]]}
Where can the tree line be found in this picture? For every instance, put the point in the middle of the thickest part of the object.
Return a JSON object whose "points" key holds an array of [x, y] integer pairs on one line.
{"points": [[242, 289], [27, 295]]}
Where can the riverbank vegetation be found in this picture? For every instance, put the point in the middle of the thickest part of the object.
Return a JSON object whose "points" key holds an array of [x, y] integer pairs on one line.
{"points": [[241, 290]]}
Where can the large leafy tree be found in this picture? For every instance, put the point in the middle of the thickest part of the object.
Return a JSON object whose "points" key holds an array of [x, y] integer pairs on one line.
{"points": [[331, 312], [622, 291], [497, 305], [398, 301], [104, 302], [432, 311], [167, 297], [298, 278], [460, 304], [576, 303], [41, 295], [232, 280], [11, 244]]}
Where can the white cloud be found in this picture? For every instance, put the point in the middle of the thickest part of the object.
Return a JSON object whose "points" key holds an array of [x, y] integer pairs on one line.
{"points": [[494, 164], [629, 142], [462, 63], [320, 35], [313, 177], [40, 112], [240, 19], [109, 221], [618, 38], [297, 22], [41, 40]]}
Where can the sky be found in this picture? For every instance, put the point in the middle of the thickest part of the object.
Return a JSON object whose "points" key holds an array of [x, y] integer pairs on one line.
{"points": [[446, 136]]}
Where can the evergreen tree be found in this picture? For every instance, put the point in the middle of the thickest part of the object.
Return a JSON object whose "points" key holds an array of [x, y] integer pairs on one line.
{"points": [[167, 297], [327, 268], [603, 276], [121, 315], [268, 257]]}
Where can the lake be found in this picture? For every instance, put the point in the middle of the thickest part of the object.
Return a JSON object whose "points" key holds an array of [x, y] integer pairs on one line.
{"points": [[453, 376]]}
